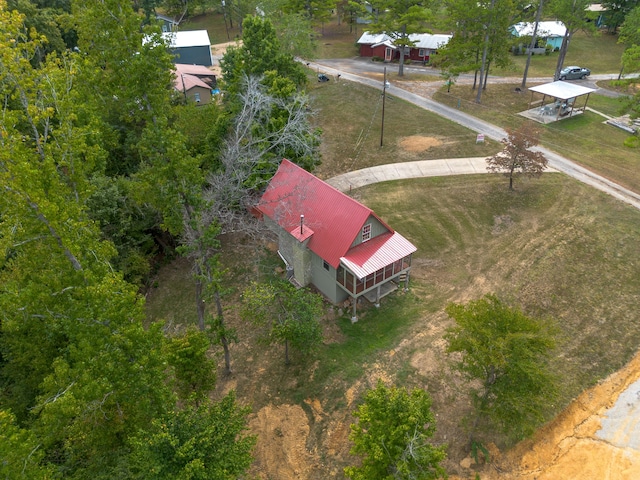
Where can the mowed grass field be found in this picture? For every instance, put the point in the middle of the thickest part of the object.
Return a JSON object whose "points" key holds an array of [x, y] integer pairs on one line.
{"points": [[350, 117], [553, 247]]}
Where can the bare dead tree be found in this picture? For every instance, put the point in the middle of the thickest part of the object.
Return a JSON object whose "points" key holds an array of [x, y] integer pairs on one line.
{"points": [[253, 150], [516, 158], [250, 156]]}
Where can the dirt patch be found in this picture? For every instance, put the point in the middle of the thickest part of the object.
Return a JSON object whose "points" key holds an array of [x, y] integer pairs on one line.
{"points": [[418, 143], [582, 442], [280, 451]]}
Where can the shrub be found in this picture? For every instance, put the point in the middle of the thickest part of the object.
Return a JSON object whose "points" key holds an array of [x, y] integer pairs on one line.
{"points": [[632, 142]]}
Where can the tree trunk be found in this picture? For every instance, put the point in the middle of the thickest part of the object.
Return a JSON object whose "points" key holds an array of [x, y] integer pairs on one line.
{"points": [[532, 45], [486, 76], [490, 380], [485, 50], [513, 167], [563, 53], [286, 352], [200, 305], [401, 63], [223, 338], [482, 65]]}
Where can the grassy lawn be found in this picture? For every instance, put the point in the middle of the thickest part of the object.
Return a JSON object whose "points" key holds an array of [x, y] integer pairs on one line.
{"points": [[598, 52], [543, 248], [215, 26], [584, 139], [350, 116], [554, 247]]}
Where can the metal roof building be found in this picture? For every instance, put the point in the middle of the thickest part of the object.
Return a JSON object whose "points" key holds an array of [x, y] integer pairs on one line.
{"points": [[331, 240]]}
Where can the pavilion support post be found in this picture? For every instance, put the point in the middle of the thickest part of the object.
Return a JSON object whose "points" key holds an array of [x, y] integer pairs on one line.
{"points": [[377, 304], [354, 313]]}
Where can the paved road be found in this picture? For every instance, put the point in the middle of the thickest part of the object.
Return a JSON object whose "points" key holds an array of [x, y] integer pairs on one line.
{"points": [[556, 161]]}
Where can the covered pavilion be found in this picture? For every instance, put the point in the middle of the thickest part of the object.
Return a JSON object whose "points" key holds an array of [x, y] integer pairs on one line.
{"points": [[559, 101]]}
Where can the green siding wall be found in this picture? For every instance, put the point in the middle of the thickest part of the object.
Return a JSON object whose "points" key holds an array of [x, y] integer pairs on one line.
{"points": [[377, 228]]}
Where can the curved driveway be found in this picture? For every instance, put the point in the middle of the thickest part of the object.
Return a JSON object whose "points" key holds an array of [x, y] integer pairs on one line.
{"points": [[456, 166]]}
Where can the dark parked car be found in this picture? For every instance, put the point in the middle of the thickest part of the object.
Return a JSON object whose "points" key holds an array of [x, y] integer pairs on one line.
{"points": [[574, 73], [322, 77]]}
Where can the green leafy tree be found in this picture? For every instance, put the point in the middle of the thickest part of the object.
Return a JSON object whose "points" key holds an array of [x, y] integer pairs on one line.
{"points": [[290, 315], [495, 21], [507, 354], [201, 245], [96, 375], [125, 85], [127, 225], [51, 20], [462, 52], [259, 53], [630, 62], [517, 158], [399, 19], [392, 436], [617, 12], [195, 372], [207, 443], [20, 453], [481, 38]]}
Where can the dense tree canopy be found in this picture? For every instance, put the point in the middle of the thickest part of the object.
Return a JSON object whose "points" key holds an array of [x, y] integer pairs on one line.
{"points": [[98, 377], [392, 436], [507, 352]]}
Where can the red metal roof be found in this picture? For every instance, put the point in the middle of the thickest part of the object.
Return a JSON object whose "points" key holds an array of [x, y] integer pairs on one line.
{"points": [[335, 218], [377, 253]]}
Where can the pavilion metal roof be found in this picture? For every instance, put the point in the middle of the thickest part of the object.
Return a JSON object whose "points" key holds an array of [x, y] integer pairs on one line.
{"points": [[562, 90]]}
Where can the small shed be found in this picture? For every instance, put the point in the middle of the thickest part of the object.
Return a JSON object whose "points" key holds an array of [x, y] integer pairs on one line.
{"points": [[559, 100], [190, 47]]}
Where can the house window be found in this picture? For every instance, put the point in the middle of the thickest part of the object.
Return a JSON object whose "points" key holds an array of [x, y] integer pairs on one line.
{"points": [[366, 232], [422, 52], [196, 97], [407, 50], [325, 265]]}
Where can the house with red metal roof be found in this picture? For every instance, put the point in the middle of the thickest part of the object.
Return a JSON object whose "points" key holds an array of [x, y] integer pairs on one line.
{"points": [[329, 240]]}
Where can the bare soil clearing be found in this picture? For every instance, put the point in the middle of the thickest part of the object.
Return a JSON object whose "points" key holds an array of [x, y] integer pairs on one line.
{"points": [[418, 143]]}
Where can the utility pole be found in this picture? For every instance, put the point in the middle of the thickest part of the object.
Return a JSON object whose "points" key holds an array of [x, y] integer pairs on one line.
{"points": [[224, 14], [384, 94]]}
